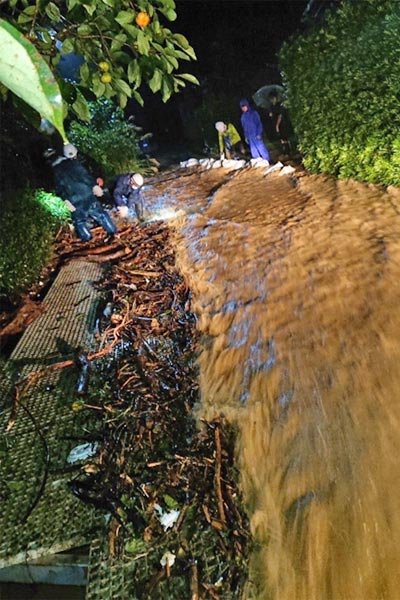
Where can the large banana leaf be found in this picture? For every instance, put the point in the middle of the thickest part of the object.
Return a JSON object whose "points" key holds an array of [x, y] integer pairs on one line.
{"points": [[26, 73]]}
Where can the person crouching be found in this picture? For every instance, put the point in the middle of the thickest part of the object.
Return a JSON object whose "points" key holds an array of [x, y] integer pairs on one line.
{"points": [[127, 195], [229, 140]]}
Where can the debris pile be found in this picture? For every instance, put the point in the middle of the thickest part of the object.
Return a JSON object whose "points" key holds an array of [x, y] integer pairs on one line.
{"points": [[169, 488]]}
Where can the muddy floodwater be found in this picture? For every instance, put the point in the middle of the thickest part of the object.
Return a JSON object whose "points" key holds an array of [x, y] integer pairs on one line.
{"points": [[296, 286]]}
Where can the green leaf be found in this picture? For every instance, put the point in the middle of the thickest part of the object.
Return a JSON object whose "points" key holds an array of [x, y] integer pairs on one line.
{"points": [[181, 55], [24, 19], [123, 87], [170, 14], [143, 43], [134, 73], [191, 53], [122, 99], [172, 60], [131, 29], [189, 77], [138, 97], [53, 12], [118, 41], [167, 3], [24, 72], [27, 15], [98, 87], [72, 3], [135, 546], [181, 40], [67, 46], [124, 17], [84, 29], [166, 89], [170, 502], [110, 3], [178, 83], [84, 72], [15, 486], [90, 9], [156, 81], [167, 65], [81, 107]]}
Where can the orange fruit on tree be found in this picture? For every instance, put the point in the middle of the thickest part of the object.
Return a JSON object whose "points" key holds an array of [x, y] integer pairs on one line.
{"points": [[104, 66], [142, 19], [106, 78]]}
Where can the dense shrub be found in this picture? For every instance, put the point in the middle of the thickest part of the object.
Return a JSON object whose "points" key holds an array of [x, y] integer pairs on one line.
{"points": [[28, 222], [109, 140], [343, 82], [214, 107]]}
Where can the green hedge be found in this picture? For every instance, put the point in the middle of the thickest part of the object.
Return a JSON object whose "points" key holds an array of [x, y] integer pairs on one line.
{"points": [[110, 142], [343, 86], [28, 222]]}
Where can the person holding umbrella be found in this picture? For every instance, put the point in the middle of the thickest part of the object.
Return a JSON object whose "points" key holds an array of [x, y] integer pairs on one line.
{"points": [[270, 97], [253, 131], [280, 121]]}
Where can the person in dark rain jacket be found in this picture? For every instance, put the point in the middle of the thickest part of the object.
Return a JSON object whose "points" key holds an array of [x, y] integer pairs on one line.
{"points": [[127, 194], [253, 131], [79, 190]]}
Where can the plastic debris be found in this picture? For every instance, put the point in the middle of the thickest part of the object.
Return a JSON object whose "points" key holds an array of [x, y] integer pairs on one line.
{"points": [[167, 559], [81, 452], [167, 519]]}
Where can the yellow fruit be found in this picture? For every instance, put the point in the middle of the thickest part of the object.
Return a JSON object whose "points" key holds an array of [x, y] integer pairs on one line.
{"points": [[104, 66], [106, 78], [142, 19]]}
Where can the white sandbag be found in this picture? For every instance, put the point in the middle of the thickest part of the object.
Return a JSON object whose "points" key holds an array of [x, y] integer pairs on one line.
{"points": [[233, 164], [206, 163], [259, 162], [276, 167], [192, 162], [288, 170], [217, 164]]}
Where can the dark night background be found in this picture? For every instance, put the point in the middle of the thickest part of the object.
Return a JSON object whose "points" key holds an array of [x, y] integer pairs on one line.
{"points": [[236, 42]]}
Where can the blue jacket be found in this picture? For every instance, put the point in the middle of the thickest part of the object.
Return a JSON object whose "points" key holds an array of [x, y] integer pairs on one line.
{"points": [[251, 122]]}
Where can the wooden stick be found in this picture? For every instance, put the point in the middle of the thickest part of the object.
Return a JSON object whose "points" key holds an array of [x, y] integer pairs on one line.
{"points": [[194, 581], [217, 476]]}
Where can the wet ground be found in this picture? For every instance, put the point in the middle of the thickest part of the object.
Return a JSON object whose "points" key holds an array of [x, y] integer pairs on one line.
{"points": [[295, 286]]}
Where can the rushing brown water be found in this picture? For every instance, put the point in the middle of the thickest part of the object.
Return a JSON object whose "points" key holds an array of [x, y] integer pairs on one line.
{"points": [[297, 293]]}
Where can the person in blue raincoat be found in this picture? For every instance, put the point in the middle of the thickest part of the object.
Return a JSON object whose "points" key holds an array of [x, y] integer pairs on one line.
{"points": [[253, 131]]}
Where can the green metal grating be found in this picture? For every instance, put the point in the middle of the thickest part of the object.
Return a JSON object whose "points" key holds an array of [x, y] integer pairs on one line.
{"points": [[109, 579], [59, 521]]}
